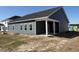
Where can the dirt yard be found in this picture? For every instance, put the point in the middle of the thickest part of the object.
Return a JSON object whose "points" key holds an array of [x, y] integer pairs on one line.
{"points": [[65, 42]]}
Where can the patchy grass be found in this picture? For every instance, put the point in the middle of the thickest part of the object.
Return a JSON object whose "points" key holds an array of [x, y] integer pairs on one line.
{"points": [[59, 43], [9, 42]]}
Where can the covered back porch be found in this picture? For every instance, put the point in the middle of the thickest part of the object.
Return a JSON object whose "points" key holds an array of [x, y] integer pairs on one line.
{"points": [[47, 27]]}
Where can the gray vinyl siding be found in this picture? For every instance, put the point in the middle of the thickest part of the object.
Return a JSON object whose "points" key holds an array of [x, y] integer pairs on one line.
{"points": [[17, 28], [61, 16], [63, 26]]}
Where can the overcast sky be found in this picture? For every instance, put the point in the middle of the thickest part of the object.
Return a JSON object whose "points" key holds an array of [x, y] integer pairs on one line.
{"points": [[8, 11]]}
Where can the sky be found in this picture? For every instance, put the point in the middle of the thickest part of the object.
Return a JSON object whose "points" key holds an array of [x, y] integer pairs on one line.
{"points": [[9, 11]]}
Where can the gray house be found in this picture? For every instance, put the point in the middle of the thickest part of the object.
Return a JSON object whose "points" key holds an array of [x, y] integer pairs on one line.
{"points": [[51, 21]]}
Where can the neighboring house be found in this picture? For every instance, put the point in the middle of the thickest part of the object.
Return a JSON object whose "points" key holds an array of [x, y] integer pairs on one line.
{"points": [[51, 21], [5, 22], [74, 27], [1, 27]]}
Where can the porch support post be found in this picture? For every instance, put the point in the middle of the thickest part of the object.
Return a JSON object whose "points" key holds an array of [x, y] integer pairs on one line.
{"points": [[53, 27], [46, 23]]}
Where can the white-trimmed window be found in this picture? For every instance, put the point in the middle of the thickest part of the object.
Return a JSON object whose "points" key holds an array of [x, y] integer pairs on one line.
{"points": [[25, 27], [8, 27], [21, 27], [13, 27], [30, 26]]}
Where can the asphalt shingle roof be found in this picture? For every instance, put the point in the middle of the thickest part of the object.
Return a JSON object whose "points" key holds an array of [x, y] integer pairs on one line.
{"points": [[39, 14], [15, 17]]}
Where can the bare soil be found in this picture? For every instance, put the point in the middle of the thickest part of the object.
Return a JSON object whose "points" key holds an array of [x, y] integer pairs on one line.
{"points": [[64, 42]]}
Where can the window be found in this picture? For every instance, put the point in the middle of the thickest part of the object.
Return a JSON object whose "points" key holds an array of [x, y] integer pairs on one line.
{"points": [[25, 27], [30, 26], [21, 27], [8, 27], [13, 27]]}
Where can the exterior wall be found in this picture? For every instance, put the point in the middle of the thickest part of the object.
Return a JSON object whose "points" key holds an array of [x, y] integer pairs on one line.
{"points": [[28, 31], [1, 28], [63, 26], [17, 28], [5, 23], [61, 16]]}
